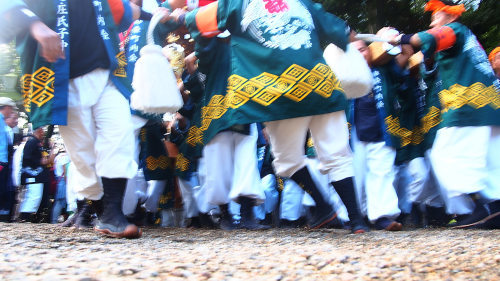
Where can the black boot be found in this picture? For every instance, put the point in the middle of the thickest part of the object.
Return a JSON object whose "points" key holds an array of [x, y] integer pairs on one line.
{"points": [[112, 222], [493, 220], [82, 218], [345, 189], [474, 219], [436, 216], [226, 219], [247, 218], [324, 212]]}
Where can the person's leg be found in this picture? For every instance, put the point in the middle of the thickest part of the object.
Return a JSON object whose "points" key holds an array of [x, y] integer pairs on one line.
{"points": [[382, 201], [131, 192], [114, 152], [218, 155], [287, 139], [247, 188], [459, 159], [331, 141]]}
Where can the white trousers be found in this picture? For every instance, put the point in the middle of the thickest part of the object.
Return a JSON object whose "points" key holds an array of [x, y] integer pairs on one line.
{"points": [[423, 187], [187, 191], [375, 179], [467, 160], [32, 198], [137, 185], [294, 198], [231, 168], [99, 136], [331, 141]]}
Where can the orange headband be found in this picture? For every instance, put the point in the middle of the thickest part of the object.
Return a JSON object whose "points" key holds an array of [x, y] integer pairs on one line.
{"points": [[438, 6], [493, 53]]}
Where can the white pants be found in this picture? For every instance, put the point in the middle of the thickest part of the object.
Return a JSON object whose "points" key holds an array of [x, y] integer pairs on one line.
{"points": [[136, 185], [231, 167], [32, 198], [99, 136], [272, 196], [331, 141], [423, 187], [467, 160], [294, 198], [377, 175], [186, 187]]}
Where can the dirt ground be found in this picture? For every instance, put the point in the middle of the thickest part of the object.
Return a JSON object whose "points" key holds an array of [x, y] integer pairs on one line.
{"points": [[48, 252]]}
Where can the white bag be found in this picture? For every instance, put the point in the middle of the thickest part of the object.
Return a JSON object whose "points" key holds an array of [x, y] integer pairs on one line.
{"points": [[154, 82], [351, 69]]}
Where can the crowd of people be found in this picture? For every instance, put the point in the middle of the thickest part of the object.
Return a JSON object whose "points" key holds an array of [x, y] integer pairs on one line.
{"points": [[266, 136]]}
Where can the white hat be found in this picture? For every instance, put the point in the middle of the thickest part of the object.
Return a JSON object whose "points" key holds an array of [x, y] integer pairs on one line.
{"points": [[149, 5], [5, 101]]}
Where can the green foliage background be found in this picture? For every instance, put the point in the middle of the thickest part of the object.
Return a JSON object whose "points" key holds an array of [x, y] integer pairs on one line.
{"points": [[408, 16]]}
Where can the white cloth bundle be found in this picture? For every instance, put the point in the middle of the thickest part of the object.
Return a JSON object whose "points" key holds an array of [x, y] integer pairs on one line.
{"points": [[351, 69], [154, 82]]}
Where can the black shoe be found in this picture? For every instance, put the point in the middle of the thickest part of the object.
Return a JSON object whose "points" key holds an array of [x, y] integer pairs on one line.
{"points": [[345, 189], [322, 217], [248, 220], [226, 219], [112, 222], [492, 221], [194, 222], [388, 224], [436, 216], [82, 217], [27, 217], [324, 212], [471, 220]]}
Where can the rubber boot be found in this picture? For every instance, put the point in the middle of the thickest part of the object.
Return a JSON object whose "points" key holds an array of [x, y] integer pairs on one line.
{"points": [[345, 189], [324, 212], [112, 222], [248, 220], [226, 219], [81, 218]]}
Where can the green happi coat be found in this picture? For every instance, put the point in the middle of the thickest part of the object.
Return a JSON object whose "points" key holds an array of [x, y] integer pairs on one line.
{"points": [[277, 66], [44, 85], [470, 93]]}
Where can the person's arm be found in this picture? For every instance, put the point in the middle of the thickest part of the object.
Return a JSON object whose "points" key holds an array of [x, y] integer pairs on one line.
{"points": [[430, 41], [18, 19]]}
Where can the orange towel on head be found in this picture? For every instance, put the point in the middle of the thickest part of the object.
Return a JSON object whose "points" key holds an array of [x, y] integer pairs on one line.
{"points": [[493, 53], [438, 6]]}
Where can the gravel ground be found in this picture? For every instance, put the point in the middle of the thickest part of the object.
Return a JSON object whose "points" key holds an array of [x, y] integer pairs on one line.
{"points": [[47, 252]]}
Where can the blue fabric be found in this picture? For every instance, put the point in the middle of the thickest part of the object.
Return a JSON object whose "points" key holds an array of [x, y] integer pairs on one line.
{"points": [[61, 69], [4, 141], [87, 48]]}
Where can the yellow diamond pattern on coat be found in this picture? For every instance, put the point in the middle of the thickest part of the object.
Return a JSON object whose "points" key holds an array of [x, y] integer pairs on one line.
{"points": [[250, 88], [235, 100], [415, 136], [265, 78], [295, 83], [234, 81], [476, 95], [313, 79], [38, 88], [282, 85], [120, 71], [295, 72], [298, 93], [195, 136], [181, 163], [266, 97], [153, 163], [26, 90]]}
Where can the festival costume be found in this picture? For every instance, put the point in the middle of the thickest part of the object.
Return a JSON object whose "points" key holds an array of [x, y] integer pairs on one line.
{"points": [[470, 115], [264, 86]]}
